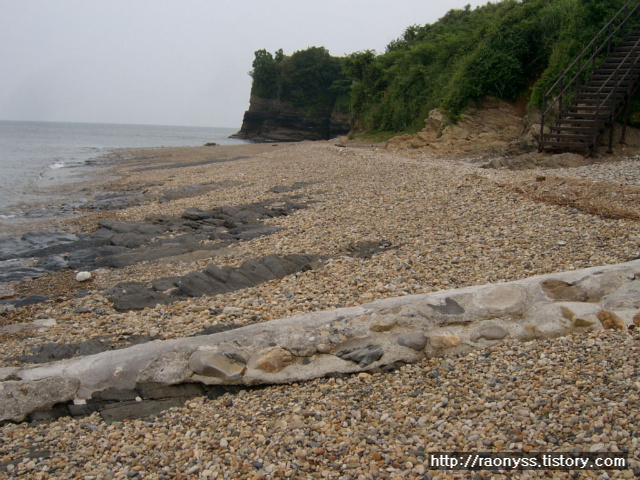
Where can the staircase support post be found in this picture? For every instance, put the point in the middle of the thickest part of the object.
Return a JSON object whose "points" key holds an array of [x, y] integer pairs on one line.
{"points": [[627, 110], [611, 135], [544, 108]]}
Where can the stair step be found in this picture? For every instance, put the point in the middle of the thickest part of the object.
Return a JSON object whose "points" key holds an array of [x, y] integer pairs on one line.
{"points": [[566, 145], [605, 103], [601, 77], [599, 97], [603, 92], [589, 110], [550, 141], [625, 72], [581, 117], [606, 90], [622, 50], [609, 63], [611, 72], [576, 123], [567, 138], [572, 129]]}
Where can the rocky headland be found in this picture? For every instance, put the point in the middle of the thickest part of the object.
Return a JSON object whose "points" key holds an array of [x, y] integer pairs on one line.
{"points": [[389, 302], [270, 120]]}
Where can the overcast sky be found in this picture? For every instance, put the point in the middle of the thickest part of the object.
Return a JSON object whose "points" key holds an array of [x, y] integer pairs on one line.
{"points": [[173, 62]]}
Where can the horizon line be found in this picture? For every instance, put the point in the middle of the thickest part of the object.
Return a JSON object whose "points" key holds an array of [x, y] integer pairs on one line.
{"points": [[114, 123]]}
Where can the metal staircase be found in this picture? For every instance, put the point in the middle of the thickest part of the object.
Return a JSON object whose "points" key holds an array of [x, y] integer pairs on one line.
{"points": [[595, 88]]}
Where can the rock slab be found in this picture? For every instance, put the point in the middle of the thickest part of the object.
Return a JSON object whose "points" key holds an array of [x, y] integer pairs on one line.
{"points": [[19, 398], [337, 342]]}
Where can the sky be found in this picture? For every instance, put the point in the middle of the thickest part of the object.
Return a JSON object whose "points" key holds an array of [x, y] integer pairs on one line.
{"points": [[173, 62]]}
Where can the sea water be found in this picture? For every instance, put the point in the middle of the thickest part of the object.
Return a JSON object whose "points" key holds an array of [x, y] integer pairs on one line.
{"points": [[35, 154]]}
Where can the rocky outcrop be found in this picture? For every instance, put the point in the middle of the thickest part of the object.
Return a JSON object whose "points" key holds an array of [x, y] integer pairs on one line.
{"points": [[370, 337], [276, 121], [505, 132], [212, 281], [118, 244], [497, 128]]}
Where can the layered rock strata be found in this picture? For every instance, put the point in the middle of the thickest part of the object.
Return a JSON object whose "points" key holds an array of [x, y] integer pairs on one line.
{"points": [[276, 121]]}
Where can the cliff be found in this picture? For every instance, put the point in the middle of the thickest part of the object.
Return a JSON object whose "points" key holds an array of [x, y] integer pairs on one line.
{"points": [[274, 120]]}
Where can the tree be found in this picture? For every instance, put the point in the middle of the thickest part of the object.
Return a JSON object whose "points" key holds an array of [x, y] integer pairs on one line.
{"points": [[265, 75]]}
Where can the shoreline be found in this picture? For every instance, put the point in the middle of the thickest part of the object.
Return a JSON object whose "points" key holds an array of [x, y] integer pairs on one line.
{"points": [[364, 208], [390, 223]]}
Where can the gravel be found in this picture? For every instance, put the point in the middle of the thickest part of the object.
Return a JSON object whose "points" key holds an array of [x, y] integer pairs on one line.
{"points": [[444, 224], [572, 394]]}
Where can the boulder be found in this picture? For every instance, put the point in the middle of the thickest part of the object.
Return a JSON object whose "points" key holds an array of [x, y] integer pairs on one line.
{"points": [[19, 398], [227, 366]]}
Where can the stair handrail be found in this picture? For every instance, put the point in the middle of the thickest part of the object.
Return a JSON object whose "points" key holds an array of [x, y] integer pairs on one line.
{"points": [[617, 81], [560, 82]]}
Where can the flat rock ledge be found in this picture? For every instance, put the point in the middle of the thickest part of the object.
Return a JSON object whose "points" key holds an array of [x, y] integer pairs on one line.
{"points": [[368, 337]]}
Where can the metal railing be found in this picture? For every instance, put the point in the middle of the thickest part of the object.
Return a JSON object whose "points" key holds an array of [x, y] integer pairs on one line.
{"points": [[615, 80], [617, 23]]}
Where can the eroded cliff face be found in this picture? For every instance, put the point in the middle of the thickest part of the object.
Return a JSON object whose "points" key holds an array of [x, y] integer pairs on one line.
{"points": [[270, 120]]}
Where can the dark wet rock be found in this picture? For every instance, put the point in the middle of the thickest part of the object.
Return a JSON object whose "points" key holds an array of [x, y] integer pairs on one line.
{"points": [[187, 191], [115, 395], [33, 244], [52, 263], [251, 233], [50, 352], [115, 201], [116, 412], [362, 356], [119, 226], [129, 240], [164, 284], [197, 214], [367, 249], [157, 391], [287, 189], [59, 410], [118, 243], [171, 166], [450, 307], [212, 281], [18, 270], [217, 329], [151, 252], [31, 300], [92, 258], [137, 296]]}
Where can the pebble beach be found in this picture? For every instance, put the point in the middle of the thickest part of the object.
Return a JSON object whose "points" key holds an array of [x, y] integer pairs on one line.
{"points": [[390, 224]]}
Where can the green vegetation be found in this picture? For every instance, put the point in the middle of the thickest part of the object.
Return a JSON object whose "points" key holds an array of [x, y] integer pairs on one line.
{"points": [[310, 78], [507, 49]]}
